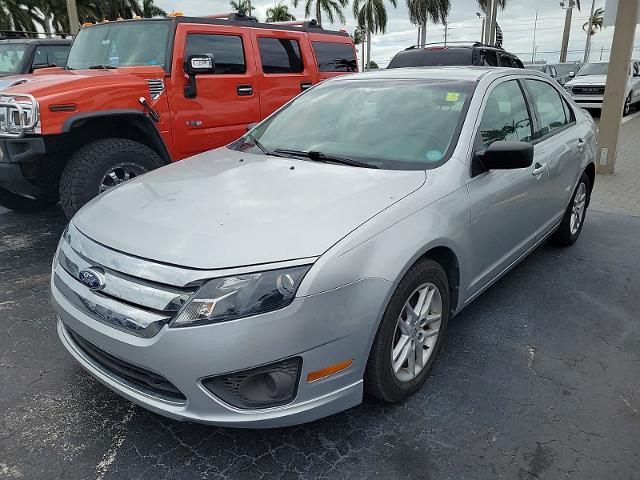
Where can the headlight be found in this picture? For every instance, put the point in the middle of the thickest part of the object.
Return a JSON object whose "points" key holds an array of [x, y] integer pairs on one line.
{"points": [[230, 298]]}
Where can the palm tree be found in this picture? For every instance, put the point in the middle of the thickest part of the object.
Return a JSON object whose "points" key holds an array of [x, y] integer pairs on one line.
{"points": [[279, 13], [243, 7], [597, 21], [333, 9], [372, 16], [420, 11], [149, 9], [18, 15]]}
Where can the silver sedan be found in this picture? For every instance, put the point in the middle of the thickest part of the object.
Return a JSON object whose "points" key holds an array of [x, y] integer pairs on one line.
{"points": [[320, 256]]}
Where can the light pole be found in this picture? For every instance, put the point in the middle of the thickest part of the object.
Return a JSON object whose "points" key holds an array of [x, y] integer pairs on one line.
{"points": [[568, 6], [484, 20], [535, 27], [587, 45]]}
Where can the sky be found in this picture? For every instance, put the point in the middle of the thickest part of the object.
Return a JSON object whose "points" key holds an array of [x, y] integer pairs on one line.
{"points": [[517, 21]]}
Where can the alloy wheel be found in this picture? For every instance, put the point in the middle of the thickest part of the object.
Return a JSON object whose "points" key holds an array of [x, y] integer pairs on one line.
{"points": [[119, 174], [416, 332], [578, 208]]}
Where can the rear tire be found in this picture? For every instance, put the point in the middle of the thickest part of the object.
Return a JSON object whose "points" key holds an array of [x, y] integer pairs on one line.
{"points": [[22, 204], [100, 165], [387, 378], [571, 225], [627, 106]]}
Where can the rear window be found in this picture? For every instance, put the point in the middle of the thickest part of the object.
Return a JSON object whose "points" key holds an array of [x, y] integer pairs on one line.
{"points": [[335, 57], [432, 57], [280, 55]]}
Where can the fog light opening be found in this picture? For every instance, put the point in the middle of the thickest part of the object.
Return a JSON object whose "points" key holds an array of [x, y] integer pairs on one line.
{"points": [[262, 387]]}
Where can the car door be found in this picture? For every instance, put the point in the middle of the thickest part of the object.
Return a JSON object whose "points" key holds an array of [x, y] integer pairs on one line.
{"points": [[634, 80], [227, 100], [565, 147], [286, 66], [505, 216]]}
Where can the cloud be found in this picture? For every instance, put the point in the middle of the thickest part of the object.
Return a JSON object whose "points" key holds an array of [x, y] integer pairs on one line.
{"points": [[517, 22]]}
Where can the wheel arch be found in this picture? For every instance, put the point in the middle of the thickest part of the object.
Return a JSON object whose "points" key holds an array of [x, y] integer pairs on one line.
{"points": [[84, 128], [590, 171]]}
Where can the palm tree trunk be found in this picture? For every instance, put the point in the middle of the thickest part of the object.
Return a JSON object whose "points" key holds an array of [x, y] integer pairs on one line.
{"points": [[423, 34], [368, 48], [318, 13], [363, 55]]}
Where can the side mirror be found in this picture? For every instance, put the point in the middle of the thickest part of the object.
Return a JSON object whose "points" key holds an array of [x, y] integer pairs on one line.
{"points": [[194, 65], [572, 74], [503, 155]]}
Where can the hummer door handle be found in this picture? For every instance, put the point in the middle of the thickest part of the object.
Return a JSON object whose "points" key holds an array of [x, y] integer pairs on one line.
{"points": [[244, 90]]}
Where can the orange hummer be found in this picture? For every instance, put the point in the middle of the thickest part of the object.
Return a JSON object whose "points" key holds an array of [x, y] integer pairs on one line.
{"points": [[139, 94]]}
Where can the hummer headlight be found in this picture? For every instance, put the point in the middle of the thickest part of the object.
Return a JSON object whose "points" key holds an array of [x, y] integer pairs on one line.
{"points": [[238, 296]]}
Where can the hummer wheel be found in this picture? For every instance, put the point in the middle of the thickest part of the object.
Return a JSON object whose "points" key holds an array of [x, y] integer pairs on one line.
{"points": [[101, 165]]}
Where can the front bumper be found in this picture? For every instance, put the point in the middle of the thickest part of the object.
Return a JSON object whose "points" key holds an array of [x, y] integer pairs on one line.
{"points": [[323, 329], [18, 159]]}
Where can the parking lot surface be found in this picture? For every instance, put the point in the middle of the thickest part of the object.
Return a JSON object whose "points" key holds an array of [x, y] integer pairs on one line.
{"points": [[539, 378]]}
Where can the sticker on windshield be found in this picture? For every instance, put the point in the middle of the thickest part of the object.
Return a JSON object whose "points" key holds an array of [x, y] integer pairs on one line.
{"points": [[433, 155], [453, 97]]}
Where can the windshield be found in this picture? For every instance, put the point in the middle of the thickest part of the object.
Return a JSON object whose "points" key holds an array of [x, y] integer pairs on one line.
{"points": [[594, 69], [399, 124], [121, 44], [566, 68], [11, 55]]}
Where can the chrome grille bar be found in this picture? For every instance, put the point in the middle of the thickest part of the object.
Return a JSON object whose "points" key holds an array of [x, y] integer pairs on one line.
{"points": [[25, 107]]}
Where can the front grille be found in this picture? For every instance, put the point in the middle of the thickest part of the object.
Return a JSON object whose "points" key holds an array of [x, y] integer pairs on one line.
{"points": [[156, 87], [148, 382], [588, 90], [129, 303]]}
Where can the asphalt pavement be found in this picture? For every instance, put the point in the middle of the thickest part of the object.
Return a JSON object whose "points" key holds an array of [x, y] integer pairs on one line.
{"points": [[539, 378]]}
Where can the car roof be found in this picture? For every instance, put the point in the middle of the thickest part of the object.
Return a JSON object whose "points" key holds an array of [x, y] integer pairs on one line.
{"points": [[465, 73]]}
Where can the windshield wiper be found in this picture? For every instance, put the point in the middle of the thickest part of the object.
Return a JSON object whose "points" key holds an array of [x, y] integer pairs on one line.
{"points": [[102, 67], [257, 143], [323, 157]]}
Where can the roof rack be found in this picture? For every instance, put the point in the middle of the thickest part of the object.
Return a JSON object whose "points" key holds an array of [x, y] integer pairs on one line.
{"points": [[471, 43], [313, 23]]}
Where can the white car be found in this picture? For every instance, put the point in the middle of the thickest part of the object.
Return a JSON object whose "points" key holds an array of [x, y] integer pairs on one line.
{"points": [[587, 88]]}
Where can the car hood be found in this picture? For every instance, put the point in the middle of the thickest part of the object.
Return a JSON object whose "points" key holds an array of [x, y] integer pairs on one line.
{"points": [[589, 80], [225, 208]]}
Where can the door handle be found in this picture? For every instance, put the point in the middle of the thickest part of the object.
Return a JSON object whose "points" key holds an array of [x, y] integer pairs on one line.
{"points": [[581, 144], [305, 86], [244, 90], [538, 169]]}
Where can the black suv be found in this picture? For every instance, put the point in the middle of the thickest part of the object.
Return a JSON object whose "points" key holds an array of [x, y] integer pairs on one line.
{"points": [[24, 55], [468, 54]]}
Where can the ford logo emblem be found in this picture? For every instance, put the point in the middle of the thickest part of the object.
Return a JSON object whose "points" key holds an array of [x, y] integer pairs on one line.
{"points": [[92, 278]]}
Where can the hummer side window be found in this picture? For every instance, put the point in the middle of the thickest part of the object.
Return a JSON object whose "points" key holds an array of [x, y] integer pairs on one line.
{"points": [[280, 55], [227, 51]]}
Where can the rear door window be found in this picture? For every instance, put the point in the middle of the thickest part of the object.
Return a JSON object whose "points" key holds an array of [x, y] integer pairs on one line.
{"points": [[505, 116], [227, 51], [335, 57], [50, 56], [280, 55], [550, 106]]}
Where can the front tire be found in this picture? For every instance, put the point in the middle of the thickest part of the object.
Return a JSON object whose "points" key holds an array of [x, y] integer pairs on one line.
{"points": [[22, 204], [100, 165], [571, 225], [410, 334]]}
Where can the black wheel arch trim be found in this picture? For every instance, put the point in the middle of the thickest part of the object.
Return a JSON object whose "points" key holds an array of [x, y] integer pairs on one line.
{"points": [[151, 129]]}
